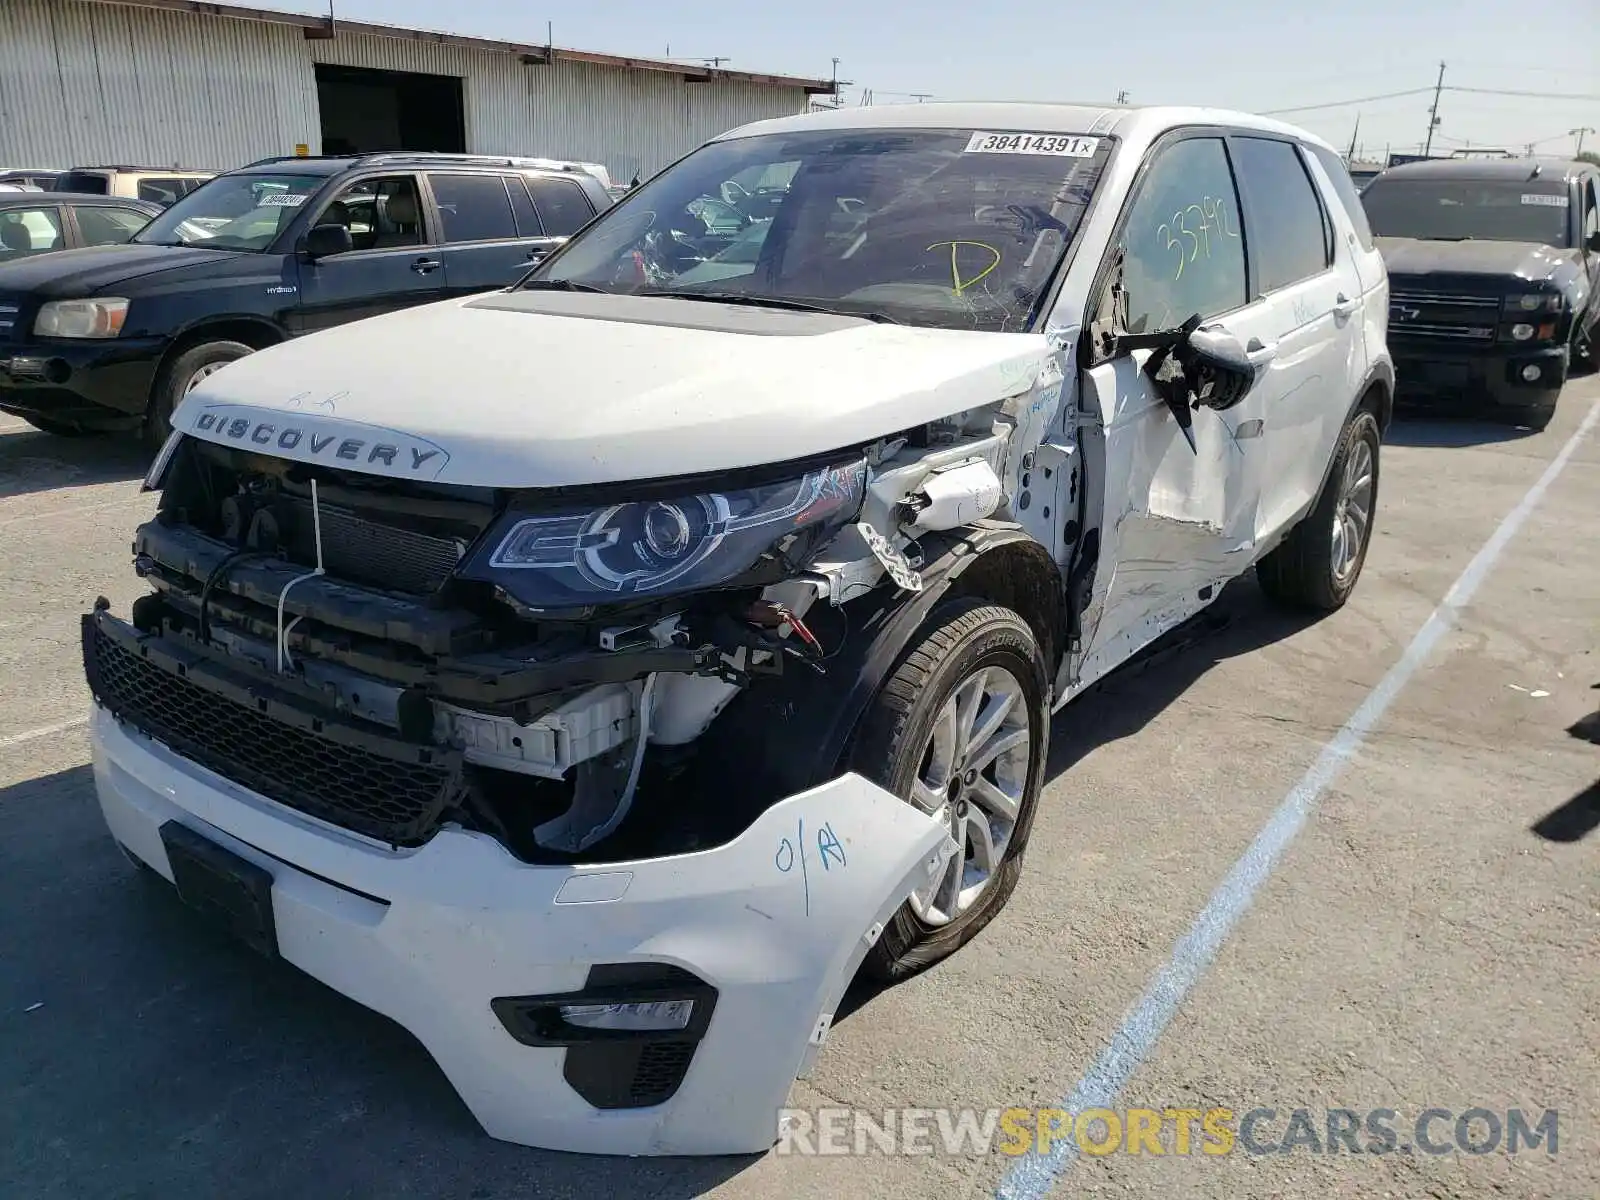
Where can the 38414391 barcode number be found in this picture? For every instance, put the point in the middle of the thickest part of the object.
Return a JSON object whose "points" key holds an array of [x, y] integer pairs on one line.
{"points": [[1065, 145]]}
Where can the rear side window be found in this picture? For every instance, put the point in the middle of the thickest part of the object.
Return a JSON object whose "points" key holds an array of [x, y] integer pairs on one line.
{"points": [[473, 208], [82, 181], [1289, 239], [522, 204], [101, 226], [163, 191], [563, 208], [1345, 188]]}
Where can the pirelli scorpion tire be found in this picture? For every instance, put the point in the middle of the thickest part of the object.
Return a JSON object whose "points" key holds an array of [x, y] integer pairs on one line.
{"points": [[960, 729], [1317, 565]]}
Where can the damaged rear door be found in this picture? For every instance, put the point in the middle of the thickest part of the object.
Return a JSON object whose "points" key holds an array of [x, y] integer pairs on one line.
{"points": [[1180, 504]]}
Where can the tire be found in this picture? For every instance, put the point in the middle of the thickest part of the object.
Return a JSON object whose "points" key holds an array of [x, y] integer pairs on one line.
{"points": [[1300, 573], [966, 646], [1583, 355], [178, 376], [1538, 419]]}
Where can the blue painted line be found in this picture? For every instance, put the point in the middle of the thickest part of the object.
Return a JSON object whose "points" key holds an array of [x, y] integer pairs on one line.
{"points": [[1033, 1176]]}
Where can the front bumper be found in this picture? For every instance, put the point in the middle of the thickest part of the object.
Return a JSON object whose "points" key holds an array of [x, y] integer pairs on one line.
{"points": [[776, 922], [98, 384], [1455, 378]]}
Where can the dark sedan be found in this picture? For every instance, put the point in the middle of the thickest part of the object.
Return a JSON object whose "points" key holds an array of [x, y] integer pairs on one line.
{"points": [[39, 222]]}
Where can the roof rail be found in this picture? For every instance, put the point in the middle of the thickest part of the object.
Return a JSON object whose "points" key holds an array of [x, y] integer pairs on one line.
{"points": [[486, 160], [278, 158]]}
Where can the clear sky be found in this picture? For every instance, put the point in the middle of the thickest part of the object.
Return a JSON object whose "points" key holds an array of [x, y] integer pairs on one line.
{"points": [[1247, 54]]}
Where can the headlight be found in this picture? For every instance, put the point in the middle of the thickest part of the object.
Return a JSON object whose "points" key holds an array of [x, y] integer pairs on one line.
{"points": [[647, 548], [1521, 332], [1535, 302], [99, 318]]}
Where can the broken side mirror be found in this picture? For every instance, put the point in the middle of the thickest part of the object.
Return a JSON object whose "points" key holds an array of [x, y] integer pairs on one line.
{"points": [[1221, 369], [325, 240]]}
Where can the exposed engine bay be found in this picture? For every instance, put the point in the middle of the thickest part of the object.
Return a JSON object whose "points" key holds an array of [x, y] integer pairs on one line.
{"points": [[391, 656]]}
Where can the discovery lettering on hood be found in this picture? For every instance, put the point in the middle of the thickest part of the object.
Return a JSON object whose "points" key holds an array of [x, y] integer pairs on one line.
{"points": [[329, 440]]}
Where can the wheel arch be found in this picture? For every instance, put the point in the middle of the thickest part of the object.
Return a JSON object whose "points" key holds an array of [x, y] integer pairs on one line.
{"points": [[256, 332], [795, 732]]}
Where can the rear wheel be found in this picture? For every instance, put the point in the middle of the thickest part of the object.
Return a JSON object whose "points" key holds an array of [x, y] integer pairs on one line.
{"points": [[960, 730], [1317, 565], [179, 377]]}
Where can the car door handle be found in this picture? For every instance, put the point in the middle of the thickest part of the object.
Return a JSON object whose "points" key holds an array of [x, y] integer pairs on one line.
{"points": [[1261, 353], [423, 265], [1343, 306]]}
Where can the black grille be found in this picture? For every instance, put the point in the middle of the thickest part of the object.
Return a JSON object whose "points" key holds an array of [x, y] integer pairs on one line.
{"points": [[662, 1066], [1453, 316], [373, 553], [396, 798]]}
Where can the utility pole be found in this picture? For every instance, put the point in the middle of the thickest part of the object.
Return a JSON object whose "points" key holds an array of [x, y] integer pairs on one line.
{"points": [[1433, 113], [1351, 157], [1578, 133]]}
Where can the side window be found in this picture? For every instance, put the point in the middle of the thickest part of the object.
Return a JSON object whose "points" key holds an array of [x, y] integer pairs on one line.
{"points": [[472, 208], [379, 213], [1591, 213], [162, 191], [563, 208], [108, 226], [522, 205], [1289, 239], [1184, 247], [1345, 188], [26, 231]]}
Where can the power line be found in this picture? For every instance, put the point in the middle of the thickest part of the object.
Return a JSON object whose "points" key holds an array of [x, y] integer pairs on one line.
{"points": [[1273, 112], [1529, 95]]}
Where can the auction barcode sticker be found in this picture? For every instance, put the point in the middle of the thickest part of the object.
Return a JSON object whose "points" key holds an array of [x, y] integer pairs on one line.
{"points": [[282, 200], [1543, 198], [1064, 145]]}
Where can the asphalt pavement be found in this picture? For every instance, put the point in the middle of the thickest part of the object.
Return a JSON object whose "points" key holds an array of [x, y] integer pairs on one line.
{"points": [[1428, 940]]}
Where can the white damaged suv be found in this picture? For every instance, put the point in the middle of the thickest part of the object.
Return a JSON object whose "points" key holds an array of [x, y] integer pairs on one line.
{"points": [[593, 676]]}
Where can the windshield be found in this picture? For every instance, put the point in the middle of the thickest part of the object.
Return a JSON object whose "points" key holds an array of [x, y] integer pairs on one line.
{"points": [[960, 229], [1499, 210], [232, 212]]}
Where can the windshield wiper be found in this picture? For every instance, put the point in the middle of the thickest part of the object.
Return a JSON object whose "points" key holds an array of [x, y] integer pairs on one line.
{"points": [[882, 318], [561, 285]]}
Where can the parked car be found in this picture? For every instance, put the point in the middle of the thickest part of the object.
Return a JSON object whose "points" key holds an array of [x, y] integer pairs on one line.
{"points": [[159, 185], [34, 222], [112, 338], [29, 180], [594, 674], [1495, 265]]}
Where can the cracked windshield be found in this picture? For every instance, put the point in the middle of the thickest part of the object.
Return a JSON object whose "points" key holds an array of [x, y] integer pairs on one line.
{"points": [[922, 227]]}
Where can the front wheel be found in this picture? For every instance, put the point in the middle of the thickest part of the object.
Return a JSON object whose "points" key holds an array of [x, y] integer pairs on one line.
{"points": [[961, 730], [179, 377], [1317, 565]]}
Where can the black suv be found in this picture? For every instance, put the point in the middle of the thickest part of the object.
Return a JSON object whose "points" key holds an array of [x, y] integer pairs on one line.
{"points": [[112, 337], [1494, 266]]}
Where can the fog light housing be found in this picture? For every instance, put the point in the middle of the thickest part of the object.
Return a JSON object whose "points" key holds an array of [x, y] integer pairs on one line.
{"points": [[1521, 332], [643, 1017], [1531, 372]]}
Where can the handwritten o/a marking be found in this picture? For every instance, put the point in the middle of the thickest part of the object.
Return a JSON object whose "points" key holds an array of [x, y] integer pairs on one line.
{"points": [[784, 859]]}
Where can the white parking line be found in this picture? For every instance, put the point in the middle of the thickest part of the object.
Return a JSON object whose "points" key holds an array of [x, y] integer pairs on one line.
{"points": [[1034, 1176], [16, 739]]}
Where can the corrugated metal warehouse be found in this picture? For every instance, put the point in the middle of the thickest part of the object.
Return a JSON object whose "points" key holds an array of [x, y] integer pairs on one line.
{"points": [[181, 83]]}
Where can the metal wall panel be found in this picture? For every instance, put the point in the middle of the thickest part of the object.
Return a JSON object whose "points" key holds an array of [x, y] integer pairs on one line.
{"points": [[85, 83], [89, 83]]}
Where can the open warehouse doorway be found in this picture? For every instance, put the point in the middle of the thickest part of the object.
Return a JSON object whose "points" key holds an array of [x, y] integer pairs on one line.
{"points": [[365, 111]]}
